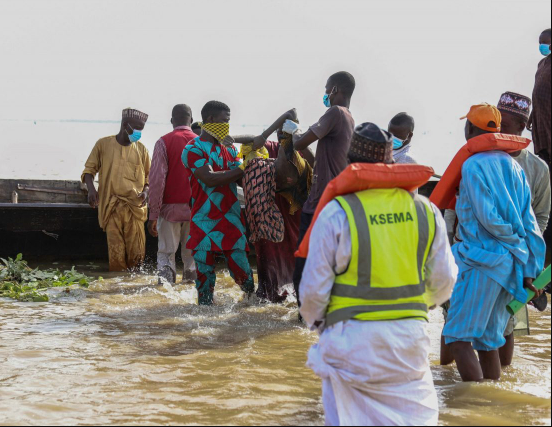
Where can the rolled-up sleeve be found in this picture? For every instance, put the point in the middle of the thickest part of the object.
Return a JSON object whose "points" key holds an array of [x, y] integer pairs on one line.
{"points": [[93, 164]]}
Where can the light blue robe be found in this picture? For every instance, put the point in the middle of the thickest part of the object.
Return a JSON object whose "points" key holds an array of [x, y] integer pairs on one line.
{"points": [[500, 245]]}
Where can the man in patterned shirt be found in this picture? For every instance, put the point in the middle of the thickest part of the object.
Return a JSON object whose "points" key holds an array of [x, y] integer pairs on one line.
{"points": [[216, 227]]}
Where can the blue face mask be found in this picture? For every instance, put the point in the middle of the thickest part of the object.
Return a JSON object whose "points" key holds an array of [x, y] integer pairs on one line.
{"points": [[545, 49], [397, 143], [327, 101], [135, 135]]}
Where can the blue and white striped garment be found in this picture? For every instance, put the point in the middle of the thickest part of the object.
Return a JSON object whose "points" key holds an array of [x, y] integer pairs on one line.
{"points": [[500, 245]]}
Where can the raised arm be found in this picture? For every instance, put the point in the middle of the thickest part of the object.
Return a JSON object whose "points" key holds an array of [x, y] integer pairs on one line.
{"points": [[260, 141]]}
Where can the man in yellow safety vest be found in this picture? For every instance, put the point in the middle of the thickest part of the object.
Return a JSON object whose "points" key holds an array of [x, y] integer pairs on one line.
{"points": [[380, 259]]}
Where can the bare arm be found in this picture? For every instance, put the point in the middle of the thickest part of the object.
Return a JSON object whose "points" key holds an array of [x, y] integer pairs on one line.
{"points": [[93, 198], [260, 140], [308, 155], [244, 139], [212, 179], [302, 142]]}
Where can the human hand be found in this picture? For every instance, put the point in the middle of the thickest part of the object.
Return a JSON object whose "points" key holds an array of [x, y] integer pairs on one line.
{"points": [[144, 197], [228, 141], [291, 114], [528, 284], [93, 198], [290, 127], [152, 228]]}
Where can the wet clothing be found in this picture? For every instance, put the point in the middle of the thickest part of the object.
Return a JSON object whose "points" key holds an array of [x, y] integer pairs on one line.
{"points": [[371, 376], [373, 372], [275, 261], [299, 193], [477, 312], [123, 174], [216, 226], [542, 106], [216, 212], [171, 235], [238, 265], [500, 244], [169, 200], [304, 224], [126, 238], [404, 155], [334, 131], [263, 216]]}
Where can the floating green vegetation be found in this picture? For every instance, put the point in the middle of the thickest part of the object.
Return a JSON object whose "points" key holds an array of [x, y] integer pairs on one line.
{"points": [[20, 282]]}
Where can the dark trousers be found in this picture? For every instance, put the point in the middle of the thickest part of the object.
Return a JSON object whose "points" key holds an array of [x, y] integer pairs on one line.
{"points": [[306, 220]]}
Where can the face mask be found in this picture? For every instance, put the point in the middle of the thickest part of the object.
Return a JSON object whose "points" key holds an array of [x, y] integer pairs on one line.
{"points": [[219, 131], [135, 135], [545, 49], [327, 101], [397, 143]]}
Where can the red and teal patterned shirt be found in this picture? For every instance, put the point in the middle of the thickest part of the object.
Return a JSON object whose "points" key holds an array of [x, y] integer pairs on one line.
{"points": [[216, 223]]}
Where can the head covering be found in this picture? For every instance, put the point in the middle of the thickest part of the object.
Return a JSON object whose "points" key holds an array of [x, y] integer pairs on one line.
{"points": [[481, 115], [516, 104], [130, 113], [219, 131], [371, 144]]}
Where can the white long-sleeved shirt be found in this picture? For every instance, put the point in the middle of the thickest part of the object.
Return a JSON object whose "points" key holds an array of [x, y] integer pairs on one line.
{"points": [[330, 255]]}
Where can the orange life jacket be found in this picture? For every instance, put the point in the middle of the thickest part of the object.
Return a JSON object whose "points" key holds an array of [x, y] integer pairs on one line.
{"points": [[444, 195], [365, 176]]}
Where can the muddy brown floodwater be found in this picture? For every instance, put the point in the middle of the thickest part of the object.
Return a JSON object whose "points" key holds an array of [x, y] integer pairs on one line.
{"points": [[127, 351]]}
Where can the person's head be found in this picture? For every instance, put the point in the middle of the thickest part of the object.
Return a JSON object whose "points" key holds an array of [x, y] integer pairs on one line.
{"points": [[482, 119], [402, 128], [339, 89], [371, 144], [196, 128], [545, 42], [215, 112], [515, 110], [181, 115], [216, 121], [133, 123]]}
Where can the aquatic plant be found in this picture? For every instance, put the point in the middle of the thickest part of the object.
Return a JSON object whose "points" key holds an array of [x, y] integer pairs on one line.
{"points": [[21, 282]]}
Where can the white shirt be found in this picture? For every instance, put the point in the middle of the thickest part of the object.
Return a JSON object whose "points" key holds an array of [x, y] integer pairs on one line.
{"points": [[403, 155], [330, 255]]}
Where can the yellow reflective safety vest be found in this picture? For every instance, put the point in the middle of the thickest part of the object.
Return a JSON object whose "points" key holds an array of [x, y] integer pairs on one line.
{"points": [[392, 231]]}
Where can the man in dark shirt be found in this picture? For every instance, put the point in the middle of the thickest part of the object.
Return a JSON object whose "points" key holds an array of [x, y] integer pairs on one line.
{"points": [[542, 96], [333, 132], [540, 121]]}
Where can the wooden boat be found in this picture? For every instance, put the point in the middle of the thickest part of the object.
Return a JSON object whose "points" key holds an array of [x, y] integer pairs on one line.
{"points": [[51, 220]]}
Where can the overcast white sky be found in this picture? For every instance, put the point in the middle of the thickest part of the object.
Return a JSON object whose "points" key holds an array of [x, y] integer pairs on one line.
{"points": [[80, 59]]}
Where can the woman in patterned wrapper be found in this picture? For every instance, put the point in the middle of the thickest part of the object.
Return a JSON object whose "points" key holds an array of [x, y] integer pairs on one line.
{"points": [[286, 182]]}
